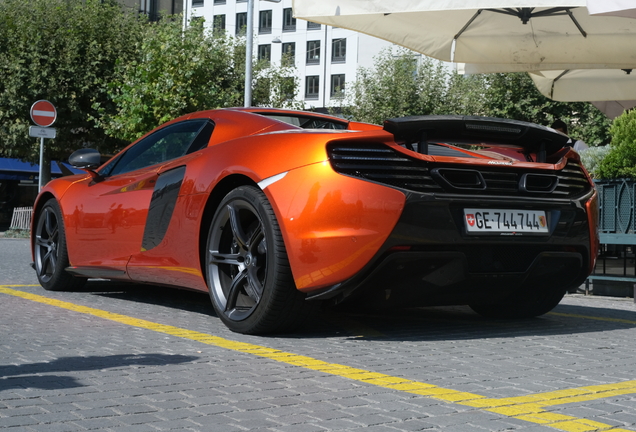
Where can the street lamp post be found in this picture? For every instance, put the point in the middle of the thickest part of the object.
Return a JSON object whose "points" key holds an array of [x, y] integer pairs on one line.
{"points": [[249, 50], [249, 42]]}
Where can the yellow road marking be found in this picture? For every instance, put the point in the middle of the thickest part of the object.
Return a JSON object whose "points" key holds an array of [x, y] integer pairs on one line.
{"points": [[528, 408], [618, 320]]}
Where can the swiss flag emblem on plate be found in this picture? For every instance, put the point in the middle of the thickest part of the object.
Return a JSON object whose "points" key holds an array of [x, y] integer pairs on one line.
{"points": [[470, 218]]}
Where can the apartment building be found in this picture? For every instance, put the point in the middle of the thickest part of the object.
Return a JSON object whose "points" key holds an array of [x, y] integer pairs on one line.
{"points": [[155, 8], [326, 58]]}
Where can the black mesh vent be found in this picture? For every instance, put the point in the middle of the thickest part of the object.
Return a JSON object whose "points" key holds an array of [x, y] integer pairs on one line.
{"points": [[572, 180], [379, 163], [383, 165], [500, 181]]}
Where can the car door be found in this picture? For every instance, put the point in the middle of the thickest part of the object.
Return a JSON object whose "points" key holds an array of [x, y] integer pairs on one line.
{"points": [[111, 213]]}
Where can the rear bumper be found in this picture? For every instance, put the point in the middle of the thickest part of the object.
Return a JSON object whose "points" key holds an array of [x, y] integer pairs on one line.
{"points": [[430, 259]]}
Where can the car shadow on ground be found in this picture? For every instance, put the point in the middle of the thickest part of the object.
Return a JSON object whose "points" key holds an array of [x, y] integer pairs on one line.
{"points": [[410, 324], [182, 299], [461, 323]]}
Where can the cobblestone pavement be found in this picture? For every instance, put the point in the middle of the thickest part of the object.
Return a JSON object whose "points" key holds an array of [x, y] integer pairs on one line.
{"points": [[118, 357]]}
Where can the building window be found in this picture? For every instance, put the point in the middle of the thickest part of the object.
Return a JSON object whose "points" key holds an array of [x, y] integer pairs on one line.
{"points": [[337, 85], [289, 22], [313, 52], [197, 3], [241, 1], [265, 52], [241, 23], [218, 25], [339, 50], [265, 22], [289, 54], [149, 8], [218, 2], [312, 87], [312, 25]]}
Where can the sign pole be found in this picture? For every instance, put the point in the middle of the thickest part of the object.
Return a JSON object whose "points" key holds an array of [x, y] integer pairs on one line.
{"points": [[40, 177]]}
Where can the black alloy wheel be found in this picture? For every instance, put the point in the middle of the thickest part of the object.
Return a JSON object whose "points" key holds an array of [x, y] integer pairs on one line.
{"points": [[50, 253], [250, 281]]}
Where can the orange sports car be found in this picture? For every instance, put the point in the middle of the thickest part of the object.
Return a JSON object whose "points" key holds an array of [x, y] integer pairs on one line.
{"points": [[272, 211]]}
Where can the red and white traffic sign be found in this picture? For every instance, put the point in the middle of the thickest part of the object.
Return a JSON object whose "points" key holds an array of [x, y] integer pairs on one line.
{"points": [[43, 113]]}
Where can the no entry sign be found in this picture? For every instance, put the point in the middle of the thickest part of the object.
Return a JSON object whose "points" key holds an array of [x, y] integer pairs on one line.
{"points": [[43, 113]]}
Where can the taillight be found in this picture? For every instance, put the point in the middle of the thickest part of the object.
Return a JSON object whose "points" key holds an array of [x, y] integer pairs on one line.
{"points": [[593, 218]]}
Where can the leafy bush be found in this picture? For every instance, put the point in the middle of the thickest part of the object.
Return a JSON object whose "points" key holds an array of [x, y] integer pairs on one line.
{"points": [[620, 161], [592, 157]]}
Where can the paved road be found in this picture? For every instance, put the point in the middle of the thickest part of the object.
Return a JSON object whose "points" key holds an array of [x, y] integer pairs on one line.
{"points": [[118, 357]]}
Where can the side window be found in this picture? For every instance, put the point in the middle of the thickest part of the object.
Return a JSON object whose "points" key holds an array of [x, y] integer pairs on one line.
{"points": [[168, 143], [203, 138]]}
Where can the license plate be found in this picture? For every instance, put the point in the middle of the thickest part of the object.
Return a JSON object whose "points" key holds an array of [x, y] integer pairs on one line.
{"points": [[500, 221]]}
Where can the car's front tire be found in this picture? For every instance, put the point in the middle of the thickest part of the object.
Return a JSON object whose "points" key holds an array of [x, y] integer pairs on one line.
{"points": [[50, 252], [528, 304], [248, 273]]}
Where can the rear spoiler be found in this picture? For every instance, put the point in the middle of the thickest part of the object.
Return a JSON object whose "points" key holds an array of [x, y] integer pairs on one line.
{"points": [[531, 137]]}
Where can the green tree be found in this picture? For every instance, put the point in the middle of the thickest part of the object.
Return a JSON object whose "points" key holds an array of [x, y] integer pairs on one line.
{"points": [[273, 85], [387, 90], [401, 84], [620, 161], [179, 71], [514, 96], [63, 51], [276, 86], [176, 72], [465, 95]]}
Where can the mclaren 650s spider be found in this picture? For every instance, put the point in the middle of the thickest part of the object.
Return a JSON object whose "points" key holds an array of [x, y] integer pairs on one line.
{"points": [[274, 211]]}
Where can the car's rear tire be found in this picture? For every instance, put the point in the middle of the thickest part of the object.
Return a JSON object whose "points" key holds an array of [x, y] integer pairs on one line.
{"points": [[50, 252], [248, 273], [521, 305]]}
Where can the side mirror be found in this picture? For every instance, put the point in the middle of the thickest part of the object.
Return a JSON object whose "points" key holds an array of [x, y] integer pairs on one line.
{"points": [[85, 158]]}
